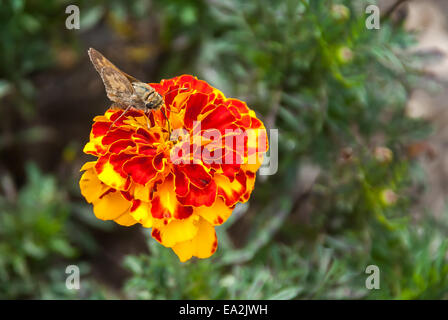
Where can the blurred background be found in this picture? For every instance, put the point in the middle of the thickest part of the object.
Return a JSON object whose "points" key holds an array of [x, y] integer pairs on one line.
{"points": [[363, 131]]}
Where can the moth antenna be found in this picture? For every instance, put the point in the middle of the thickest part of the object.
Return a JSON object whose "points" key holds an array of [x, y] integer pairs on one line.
{"points": [[175, 90]]}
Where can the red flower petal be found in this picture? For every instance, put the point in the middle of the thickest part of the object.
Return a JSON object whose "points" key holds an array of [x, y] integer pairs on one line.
{"points": [[165, 204], [196, 174], [181, 182], [200, 197], [231, 191], [100, 128], [194, 108], [220, 118], [141, 169]]}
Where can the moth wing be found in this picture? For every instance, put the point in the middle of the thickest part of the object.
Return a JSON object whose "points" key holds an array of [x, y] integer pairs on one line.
{"points": [[129, 77], [99, 62], [118, 87]]}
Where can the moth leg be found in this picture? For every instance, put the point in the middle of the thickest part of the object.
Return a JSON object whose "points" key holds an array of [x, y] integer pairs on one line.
{"points": [[122, 114], [147, 118], [168, 121]]}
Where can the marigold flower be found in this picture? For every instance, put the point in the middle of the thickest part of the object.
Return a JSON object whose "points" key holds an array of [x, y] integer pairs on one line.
{"points": [[181, 183]]}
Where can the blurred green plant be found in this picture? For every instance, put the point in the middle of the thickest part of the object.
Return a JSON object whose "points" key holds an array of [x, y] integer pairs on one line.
{"points": [[34, 240], [32, 233], [411, 261], [30, 32]]}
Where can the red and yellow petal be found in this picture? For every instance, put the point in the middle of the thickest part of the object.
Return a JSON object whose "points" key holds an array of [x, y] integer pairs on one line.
{"points": [[165, 204], [91, 187], [196, 174], [250, 182], [141, 169], [111, 205], [126, 220], [142, 192], [202, 246], [175, 231], [197, 197], [217, 214], [141, 212], [231, 191], [220, 119], [95, 146], [110, 172]]}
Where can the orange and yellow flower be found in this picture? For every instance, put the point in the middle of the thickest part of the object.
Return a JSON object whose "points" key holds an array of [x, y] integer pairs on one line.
{"points": [[181, 178]]}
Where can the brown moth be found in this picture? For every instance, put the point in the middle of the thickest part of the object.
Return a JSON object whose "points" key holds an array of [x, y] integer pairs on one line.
{"points": [[125, 90]]}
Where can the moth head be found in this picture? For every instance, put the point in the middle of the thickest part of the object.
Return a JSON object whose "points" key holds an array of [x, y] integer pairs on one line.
{"points": [[150, 105]]}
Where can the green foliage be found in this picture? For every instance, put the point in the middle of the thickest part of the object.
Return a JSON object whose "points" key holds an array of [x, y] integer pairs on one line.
{"points": [[411, 260], [35, 246], [32, 229], [29, 32]]}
